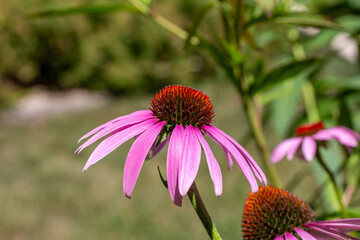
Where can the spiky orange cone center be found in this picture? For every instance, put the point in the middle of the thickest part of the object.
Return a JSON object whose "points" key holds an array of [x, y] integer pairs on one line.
{"points": [[185, 106]]}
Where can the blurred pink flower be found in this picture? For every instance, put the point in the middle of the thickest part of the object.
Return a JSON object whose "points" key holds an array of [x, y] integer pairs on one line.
{"points": [[180, 116], [307, 137], [273, 213]]}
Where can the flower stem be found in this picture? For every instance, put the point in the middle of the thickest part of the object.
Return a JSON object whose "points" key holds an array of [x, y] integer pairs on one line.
{"points": [[257, 130], [163, 22], [258, 133], [203, 214], [335, 185]]}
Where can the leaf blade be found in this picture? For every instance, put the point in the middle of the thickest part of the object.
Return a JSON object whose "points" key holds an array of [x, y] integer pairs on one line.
{"points": [[85, 9], [281, 74]]}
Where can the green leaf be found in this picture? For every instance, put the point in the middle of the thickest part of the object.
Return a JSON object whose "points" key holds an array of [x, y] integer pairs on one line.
{"points": [[236, 57], [162, 178], [297, 18], [86, 9], [281, 120], [198, 20], [281, 74], [220, 57], [146, 2], [312, 21], [226, 10]]}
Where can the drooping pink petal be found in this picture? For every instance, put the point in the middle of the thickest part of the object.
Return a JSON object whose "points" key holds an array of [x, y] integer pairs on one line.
{"points": [[241, 161], [175, 151], [115, 140], [308, 148], [252, 163], [343, 225], [136, 156], [348, 131], [293, 148], [279, 238], [227, 153], [321, 236], [213, 165], [190, 160], [287, 147], [134, 114], [304, 235], [340, 134], [118, 126], [228, 157], [289, 236], [319, 232], [154, 150]]}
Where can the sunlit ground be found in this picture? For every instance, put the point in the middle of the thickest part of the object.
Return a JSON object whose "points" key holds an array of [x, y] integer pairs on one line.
{"points": [[45, 195]]}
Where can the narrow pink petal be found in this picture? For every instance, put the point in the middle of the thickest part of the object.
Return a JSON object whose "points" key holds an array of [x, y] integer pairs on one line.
{"points": [[134, 114], [343, 225], [304, 235], [190, 160], [117, 126], [136, 156], [156, 149], [293, 148], [228, 157], [348, 131], [227, 153], [343, 135], [172, 163], [321, 236], [115, 140], [213, 165], [289, 236], [279, 238], [287, 147], [241, 161], [319, 232], [345, 138], [252, 163], [308, 148]]}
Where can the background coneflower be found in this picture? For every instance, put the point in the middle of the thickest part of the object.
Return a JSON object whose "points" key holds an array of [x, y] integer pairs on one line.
{"points": [[273, 213], [308, 135]]}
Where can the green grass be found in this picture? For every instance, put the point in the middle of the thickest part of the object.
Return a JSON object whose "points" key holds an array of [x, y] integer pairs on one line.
{"points": [[45, 195]]}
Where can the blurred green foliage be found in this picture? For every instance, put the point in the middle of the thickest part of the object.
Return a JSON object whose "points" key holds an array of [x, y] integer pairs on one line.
{"points": [[119, 53]]}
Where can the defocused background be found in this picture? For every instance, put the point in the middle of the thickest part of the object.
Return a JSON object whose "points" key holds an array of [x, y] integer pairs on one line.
{"points": [[62, 76]]}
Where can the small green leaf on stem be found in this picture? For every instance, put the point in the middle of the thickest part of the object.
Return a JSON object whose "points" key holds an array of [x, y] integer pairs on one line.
{"points": [[196, 23], [162, 178]]}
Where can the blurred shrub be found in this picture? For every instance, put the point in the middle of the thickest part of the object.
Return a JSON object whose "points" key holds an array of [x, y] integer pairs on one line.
{"points": [[117, 52]]}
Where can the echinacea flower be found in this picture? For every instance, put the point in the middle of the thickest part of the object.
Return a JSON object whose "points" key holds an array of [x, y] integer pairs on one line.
{"points": [[181, 116], [308, 136], [273, 213]]}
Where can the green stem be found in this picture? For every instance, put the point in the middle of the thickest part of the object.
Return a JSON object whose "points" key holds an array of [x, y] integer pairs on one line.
{"points": [[257, 131], [163, 22], [310, 102], [335, 185], [203, 214]]}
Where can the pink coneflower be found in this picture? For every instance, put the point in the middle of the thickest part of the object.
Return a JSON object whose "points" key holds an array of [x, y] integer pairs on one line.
{"points": [[308, 135], [273, 213], [181, 116]]}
